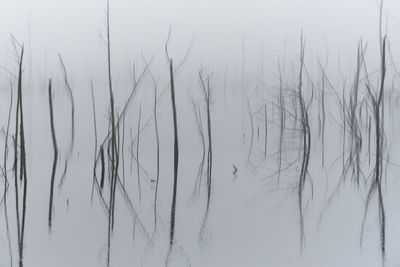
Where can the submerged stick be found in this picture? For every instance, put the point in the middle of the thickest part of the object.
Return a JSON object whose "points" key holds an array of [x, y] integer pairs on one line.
{"points": [[6, 180], [252, 129], [282, 122], [102, 167], [71, 145], [200, 170], [323, 120], [157, 156], [71, 99], [95, 140], [205, 85], [265, 131], [137, 155]]}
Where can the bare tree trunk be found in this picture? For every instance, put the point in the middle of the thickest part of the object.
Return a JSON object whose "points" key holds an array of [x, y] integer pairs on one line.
{"points": [[176, 157], [53, 172]]}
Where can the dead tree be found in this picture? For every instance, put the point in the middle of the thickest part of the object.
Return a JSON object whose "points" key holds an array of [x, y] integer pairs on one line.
{"points": [[53, 171]]}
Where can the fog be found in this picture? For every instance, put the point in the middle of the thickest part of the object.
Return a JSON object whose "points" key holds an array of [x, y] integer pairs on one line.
{"points": [[52, 27], [285, 113]]}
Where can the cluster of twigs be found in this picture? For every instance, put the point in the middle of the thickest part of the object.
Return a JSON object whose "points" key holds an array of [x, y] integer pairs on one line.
{"points": [[306, 133]]}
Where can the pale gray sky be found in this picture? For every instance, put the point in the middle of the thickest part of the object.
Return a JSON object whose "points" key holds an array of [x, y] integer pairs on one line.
{"points": [[73, 28]]}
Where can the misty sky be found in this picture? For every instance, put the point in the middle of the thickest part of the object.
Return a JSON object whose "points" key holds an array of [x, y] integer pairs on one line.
{"points": [[75, 28]]}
